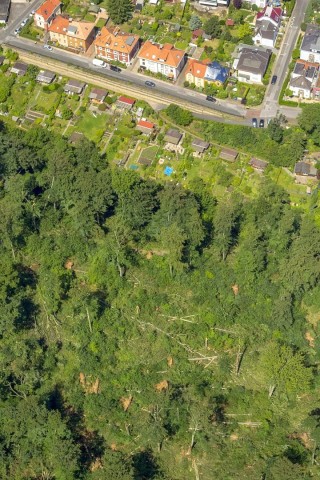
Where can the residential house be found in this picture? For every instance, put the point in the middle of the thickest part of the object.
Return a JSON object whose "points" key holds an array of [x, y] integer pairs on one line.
{"points": [[173, 136], [310, 47], [199, 146], [125, 103], [97, 96], [195, 72], [145, 127], [4, 10], [44, 76], [200, 73], [303, 78], [304, 171], [259, 165], [164, 59], [267, 26], [252, 63], [47, 11], [112, 44], [74, 87], [228, 154], [77, 36], [19, 68]]}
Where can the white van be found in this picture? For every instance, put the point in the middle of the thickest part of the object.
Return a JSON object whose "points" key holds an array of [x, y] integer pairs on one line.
{"points": [[99, 63]]}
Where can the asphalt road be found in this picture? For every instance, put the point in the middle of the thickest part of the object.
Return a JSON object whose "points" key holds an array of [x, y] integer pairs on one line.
{"points": [[270, 105], [128, 76]]}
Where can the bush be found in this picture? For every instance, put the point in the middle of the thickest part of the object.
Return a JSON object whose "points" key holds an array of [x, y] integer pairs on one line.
{"points": [[179, 115], [102, 107]]}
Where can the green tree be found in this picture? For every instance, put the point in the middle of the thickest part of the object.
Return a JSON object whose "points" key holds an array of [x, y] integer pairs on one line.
{"points": [[275, 129], [283, 370], [195, 22], [212, 26], [309, 121], [120, 11], [179, 115]]}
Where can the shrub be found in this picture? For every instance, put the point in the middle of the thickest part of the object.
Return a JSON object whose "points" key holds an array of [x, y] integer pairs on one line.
{"points": [[102, 107]]}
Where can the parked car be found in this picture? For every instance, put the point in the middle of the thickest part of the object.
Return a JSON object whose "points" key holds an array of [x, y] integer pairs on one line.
{"points": [[150, 84], [254, 122], [32, 13], [48, 47], [115, 69], [210, 98], [274, 80], [261, 123], [17, 31]]}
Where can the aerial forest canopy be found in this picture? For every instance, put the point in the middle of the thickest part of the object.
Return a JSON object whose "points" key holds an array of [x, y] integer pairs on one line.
{"points": [[149, 331]]}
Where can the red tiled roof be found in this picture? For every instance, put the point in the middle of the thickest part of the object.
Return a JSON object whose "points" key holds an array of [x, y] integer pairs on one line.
{"points": [[47, 8], [166, 54], [127, 100], [230, 22], [197, 33], [145, 124], [274, 13]]}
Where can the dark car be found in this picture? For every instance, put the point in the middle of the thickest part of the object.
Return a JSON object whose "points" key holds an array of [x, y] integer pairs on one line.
{"points": [[261, 123], [210, 98], [114, 68], [149, 84], [254, 122], [274, 80]]}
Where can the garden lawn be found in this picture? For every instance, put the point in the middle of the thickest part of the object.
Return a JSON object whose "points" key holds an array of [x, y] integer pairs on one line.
{"points": [[19, 98], [92, 127], [46, 101]]}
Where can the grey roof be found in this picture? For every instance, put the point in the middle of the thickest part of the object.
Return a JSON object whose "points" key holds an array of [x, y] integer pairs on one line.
{"points": [[196, 142], [74, 86], [301, 82], [303, 168], [301, 68], [4, 9], [174, 133], [98, 94], [266, 29], [228, 154], [254, 61], [19, 67], [259, 164], [45, 76], [311, 39]]}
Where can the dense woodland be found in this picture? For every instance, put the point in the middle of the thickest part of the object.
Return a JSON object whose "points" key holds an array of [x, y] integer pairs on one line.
{"points": [[148, 331]]}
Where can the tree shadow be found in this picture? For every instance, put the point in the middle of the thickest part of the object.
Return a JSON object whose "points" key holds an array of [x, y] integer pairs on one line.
{"points": [[145, 465]]}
